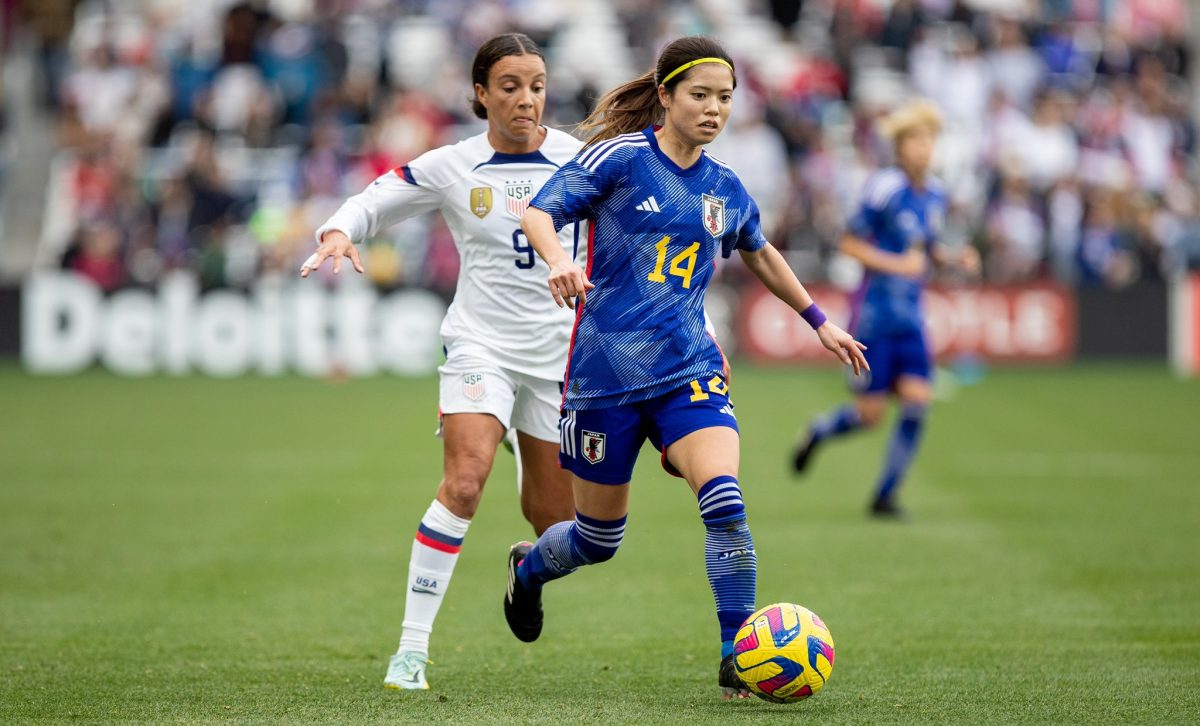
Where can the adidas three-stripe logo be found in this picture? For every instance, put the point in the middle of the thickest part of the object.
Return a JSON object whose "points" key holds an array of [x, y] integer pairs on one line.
{"points": [[650, 205]]}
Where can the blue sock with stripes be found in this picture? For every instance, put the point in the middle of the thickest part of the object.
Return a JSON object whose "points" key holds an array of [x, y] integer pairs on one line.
{"points": [[729, 557], [567, 546], [901, 450]]}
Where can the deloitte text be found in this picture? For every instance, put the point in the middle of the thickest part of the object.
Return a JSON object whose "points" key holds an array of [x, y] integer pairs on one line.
{"points": [[67, 324]]}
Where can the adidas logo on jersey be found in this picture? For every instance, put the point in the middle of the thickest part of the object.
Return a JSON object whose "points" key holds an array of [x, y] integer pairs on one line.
{"points": [[650, 205]]}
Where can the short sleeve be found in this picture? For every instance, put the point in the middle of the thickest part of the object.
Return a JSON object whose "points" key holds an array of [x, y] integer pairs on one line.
{"points": [[749, 236], [868, 220], [575, 191]]}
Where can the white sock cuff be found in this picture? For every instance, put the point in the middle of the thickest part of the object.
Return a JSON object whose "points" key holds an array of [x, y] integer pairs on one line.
{"points": [[418, 627], [440, 518]]}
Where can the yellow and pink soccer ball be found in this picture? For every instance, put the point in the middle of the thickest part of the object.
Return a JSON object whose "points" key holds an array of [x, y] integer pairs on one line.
{"points": [[784, 653]]}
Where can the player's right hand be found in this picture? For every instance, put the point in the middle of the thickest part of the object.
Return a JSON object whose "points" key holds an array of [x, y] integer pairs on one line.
{"points": [[333, 244], [567, 281]]}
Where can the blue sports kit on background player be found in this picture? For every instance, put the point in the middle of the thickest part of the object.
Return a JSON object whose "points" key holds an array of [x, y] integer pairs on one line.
{"points": [[641, 364], [894, 234]]}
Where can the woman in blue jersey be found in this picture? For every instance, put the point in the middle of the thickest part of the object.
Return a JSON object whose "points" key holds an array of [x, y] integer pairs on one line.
{"points": [[894, 234], [641, 364]]}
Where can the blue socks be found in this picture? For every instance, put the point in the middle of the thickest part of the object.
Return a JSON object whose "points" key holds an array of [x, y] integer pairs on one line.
{"points": [[905, 438], [729, 557], [567, 546], [840, 421]]}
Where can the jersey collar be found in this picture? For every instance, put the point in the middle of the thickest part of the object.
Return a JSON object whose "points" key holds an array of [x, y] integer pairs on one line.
{"points": [[532, 157], [666, 160]]}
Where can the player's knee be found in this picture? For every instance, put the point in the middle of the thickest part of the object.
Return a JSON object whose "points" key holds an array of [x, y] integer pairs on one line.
{"points": [[461, 492], [597, 540], [720, 501], [870, 413], [913, 410], [541, 515]]}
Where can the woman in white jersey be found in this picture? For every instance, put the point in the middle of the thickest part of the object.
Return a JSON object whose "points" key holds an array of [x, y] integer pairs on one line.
{"points": [[506, 341]]}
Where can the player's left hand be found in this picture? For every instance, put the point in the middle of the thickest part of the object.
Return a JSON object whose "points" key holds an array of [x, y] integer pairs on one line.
{"points": [[844, 346]]}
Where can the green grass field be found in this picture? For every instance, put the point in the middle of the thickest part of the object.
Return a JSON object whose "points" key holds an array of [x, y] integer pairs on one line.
{"points": [[180, 550]]}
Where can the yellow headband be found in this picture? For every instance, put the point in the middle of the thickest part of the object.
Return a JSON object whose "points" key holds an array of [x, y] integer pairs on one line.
{"points": [[696, 62]]}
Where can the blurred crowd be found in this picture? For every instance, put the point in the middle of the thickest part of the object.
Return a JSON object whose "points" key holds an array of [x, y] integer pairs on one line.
{"points": [[215, 136]]}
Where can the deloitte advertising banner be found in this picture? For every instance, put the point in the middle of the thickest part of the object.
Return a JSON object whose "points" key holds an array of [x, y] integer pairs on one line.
{"points": [[68, 324]]}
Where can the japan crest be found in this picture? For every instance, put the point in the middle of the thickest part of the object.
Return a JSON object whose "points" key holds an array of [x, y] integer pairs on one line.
{"points": [[517, 196], [714, 215], [593, 447]]}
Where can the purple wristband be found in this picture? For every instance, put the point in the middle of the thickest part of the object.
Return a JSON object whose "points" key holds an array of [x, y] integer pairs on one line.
{"points": [[813, 316]]}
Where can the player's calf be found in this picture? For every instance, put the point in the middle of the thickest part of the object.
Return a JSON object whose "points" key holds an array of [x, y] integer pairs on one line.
{"points": [[729, 557], [562, 549]]}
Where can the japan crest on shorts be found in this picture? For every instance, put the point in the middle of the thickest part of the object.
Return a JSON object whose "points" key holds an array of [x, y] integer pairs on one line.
{"points": [[593, 447], [714, 215], [473, 386], [517, 196]]}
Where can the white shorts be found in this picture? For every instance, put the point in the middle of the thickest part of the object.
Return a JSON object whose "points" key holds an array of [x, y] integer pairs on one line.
{"points": [[526, 403]]}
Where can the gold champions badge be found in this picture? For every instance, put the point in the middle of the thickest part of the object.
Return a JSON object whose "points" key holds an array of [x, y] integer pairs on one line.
{"points": [[481, 201]]}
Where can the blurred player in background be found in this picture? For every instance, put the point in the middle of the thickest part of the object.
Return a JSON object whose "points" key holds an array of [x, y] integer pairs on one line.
{"points": [[505, 340], [641, 364], [894, 234]]}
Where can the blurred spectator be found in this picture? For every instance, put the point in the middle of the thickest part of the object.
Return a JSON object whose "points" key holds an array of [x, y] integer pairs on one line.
{"points": [[1013, 66], [1014, 233], [96, 255], [905, 19], [1103, 258], [212, 136]]}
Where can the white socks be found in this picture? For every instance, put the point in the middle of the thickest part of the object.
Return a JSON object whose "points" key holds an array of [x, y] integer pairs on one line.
{"points": [[434, 553]]}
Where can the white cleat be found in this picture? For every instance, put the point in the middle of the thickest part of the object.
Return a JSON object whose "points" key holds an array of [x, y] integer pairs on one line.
{"points": [[406, 671]]}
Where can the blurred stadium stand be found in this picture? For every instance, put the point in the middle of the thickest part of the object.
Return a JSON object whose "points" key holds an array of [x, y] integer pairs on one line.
{"points": [[148, 136]]}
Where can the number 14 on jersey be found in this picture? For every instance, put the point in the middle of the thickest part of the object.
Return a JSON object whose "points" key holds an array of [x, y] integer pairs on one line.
{"points": [[682, 264]]}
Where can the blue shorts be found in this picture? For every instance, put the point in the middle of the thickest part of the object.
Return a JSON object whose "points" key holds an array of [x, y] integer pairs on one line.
{"points": [[890, 357], [602, 444]]}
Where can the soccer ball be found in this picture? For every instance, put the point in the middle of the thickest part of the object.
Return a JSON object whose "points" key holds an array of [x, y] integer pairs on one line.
{"points": [[784, 653]]}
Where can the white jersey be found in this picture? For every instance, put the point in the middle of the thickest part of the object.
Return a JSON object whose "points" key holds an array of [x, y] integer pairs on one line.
{"points": [[502, 309]]}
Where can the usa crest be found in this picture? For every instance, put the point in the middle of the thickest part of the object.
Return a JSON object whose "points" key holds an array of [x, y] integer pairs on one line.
{"points": [[481, 201], [517, 196], [473, 386], [593, 447], [713, 210]]}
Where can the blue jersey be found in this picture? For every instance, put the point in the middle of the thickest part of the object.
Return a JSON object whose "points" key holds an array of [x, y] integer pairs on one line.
{"points": [[656, 230], [895, 216]]}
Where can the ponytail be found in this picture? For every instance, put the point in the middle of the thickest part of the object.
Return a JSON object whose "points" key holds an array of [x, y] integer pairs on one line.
{"points": [[625, 109]]}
